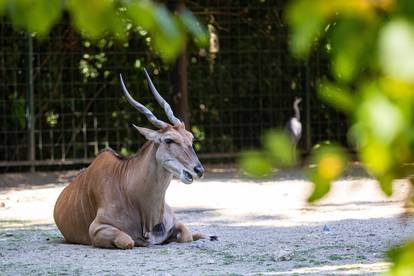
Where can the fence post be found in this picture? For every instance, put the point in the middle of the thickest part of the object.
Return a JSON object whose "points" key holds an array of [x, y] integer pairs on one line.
{"points": [[30, 106], [308, 134]]}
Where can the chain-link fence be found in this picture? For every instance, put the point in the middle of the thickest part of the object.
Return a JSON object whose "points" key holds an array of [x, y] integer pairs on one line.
{"points": [[240, 86]]}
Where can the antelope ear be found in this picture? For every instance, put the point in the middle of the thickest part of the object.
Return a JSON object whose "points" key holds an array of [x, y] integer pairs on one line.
{"points": [[149, 134]]}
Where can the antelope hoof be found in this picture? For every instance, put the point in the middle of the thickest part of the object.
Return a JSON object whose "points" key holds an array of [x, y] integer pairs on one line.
{"points": [[213, 238]]}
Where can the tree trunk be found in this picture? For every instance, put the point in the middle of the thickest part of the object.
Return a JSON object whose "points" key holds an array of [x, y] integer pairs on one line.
{"points": [[180, 98], [179, 77]]}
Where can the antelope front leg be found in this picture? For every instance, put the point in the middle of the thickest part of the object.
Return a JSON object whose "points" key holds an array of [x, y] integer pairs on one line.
{"points": [[108, 236]]}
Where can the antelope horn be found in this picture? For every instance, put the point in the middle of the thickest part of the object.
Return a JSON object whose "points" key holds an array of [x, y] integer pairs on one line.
{"points": [[167, 108], [151, 117]]}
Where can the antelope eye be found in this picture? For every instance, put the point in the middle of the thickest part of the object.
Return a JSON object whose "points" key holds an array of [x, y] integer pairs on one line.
{"points": [[169, 141]]}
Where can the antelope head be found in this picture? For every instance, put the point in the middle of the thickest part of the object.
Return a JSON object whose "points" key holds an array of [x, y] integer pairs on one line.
{"points": [[175, 151]]}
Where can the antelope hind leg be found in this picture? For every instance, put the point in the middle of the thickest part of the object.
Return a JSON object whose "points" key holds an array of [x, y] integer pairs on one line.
{"points": [[184, 235], [108, 236]]}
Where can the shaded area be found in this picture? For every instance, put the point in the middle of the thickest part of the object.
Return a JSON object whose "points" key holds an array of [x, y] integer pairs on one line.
{"points": [[27, 180], [214, 173]]}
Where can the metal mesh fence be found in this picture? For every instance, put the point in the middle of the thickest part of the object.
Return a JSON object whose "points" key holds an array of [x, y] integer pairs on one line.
{"points": [[235, 93]]}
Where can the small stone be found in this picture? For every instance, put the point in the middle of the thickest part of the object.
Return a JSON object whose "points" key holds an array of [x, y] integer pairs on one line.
{"points": [[198, 245], [8, 234], [210, 261], [326, 229], [282, 256], [2, 204]]}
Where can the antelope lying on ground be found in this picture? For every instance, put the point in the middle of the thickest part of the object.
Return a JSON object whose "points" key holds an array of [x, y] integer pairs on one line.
{"points": [[119, 202]]}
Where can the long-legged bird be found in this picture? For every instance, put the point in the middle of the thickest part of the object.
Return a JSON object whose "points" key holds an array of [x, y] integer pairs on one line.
{"points": [[294, 127]]}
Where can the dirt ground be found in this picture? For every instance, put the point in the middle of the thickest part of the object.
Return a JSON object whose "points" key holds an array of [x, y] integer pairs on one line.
{"points": [[264, 228]]}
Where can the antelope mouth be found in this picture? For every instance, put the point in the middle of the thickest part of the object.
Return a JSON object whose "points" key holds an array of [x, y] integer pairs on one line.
{"points": [[187, 177]]}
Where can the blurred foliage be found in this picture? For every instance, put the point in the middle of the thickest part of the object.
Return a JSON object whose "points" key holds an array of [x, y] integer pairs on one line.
{"points": [[255, 164], [52, 118], [18, 110], [403, 260], [371, 48], [277, 152], [370, 45], [327, 163], [199, 137], [95, 19]]}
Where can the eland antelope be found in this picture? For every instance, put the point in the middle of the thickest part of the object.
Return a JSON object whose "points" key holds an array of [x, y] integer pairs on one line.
{"points": [[119, 202]]}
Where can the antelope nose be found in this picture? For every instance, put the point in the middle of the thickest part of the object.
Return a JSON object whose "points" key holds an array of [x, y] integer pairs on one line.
{"points": [[199, 170]]}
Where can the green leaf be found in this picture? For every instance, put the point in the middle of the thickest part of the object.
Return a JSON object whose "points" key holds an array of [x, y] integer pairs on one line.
{"points": [[380, 116], [37, 16], [320, 187], [306, 21], [98, 18], [376, 156], [403, 259], [329, 162], [353, 46], [336, 96], [167, 47], [168, 40], [386, 183], [166, 23], [52, 118], [2, 6], [255, 164], [279, 148], [94, 17], [405, 7], [396, 53], [196, 29], [142, 13]]}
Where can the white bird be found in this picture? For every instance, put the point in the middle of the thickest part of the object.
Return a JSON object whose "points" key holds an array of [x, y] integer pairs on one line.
{"points": [[294, 127]]}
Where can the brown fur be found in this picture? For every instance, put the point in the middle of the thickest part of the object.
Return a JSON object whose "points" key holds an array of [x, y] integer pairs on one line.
{"points": [[117, 201]]}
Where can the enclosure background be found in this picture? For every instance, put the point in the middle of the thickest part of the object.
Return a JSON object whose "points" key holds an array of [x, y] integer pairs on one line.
{"points": [[235, 95]]}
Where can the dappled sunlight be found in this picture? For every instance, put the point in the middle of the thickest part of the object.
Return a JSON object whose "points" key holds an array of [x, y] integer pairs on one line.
{"points": [[233, 201], [33, 204], [333, 269], [254, 221], [283, 203]]}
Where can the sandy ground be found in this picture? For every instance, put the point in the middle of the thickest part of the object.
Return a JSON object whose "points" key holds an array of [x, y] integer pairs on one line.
{"points": [[264, 228]]}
